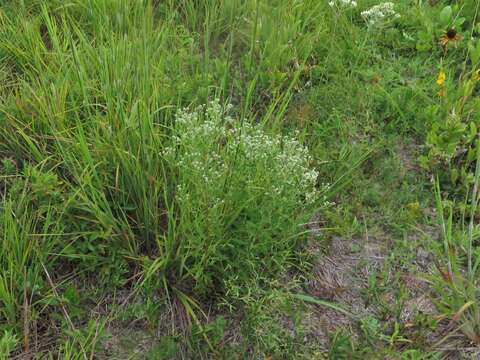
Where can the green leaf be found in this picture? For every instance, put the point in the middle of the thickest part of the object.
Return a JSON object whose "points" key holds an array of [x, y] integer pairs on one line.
{"points": [[473, 131], [71, 295], [453, 175], [473, 53], [459, 22], [446, 15], [312, 300]]}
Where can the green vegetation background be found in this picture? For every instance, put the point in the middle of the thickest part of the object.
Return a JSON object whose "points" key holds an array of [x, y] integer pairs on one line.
{"points": [[133, 229]]}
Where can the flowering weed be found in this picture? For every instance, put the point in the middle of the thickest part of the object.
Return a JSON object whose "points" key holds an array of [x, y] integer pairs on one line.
{"points": [[241, 195], [343, 3], [380, 13]]}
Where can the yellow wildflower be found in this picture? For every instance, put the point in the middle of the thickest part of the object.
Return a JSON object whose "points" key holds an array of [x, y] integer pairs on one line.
{"points": [[441, 78], [477, 75]]}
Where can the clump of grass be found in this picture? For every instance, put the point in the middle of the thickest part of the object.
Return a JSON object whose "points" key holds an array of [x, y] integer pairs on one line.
{"points": [[31, 233], [456, 285], [8, 342]]}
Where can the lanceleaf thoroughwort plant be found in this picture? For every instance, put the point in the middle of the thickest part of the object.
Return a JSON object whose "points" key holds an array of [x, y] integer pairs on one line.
{"points": [[380, 13], [241, 197], [343, 3]]}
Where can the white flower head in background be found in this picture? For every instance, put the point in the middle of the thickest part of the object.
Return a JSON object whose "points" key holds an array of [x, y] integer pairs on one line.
{"points": [[380, 13], [343, 3]]}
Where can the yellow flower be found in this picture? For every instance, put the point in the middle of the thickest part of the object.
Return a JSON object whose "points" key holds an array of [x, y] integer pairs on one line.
{"points": [[441, 78], [477, 75]]}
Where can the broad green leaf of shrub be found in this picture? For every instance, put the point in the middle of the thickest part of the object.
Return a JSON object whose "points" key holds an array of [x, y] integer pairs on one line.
{"points": [[446, 15]]}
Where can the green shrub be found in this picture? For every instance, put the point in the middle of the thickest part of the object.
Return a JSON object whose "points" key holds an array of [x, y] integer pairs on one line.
{"points": [[241, 196]]}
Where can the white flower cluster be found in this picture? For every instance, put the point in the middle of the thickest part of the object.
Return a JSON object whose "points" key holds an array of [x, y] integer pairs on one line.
{"points": [[343, 3], [208, 146], [380, 13], [287, 161]]}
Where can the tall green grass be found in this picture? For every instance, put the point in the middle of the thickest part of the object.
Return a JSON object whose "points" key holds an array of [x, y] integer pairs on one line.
{"points": [[87, 117], [456, 285]]}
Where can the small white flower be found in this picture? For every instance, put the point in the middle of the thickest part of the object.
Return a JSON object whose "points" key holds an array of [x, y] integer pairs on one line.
{"points": [[343, 3], [203, 140], [379, 13]]}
